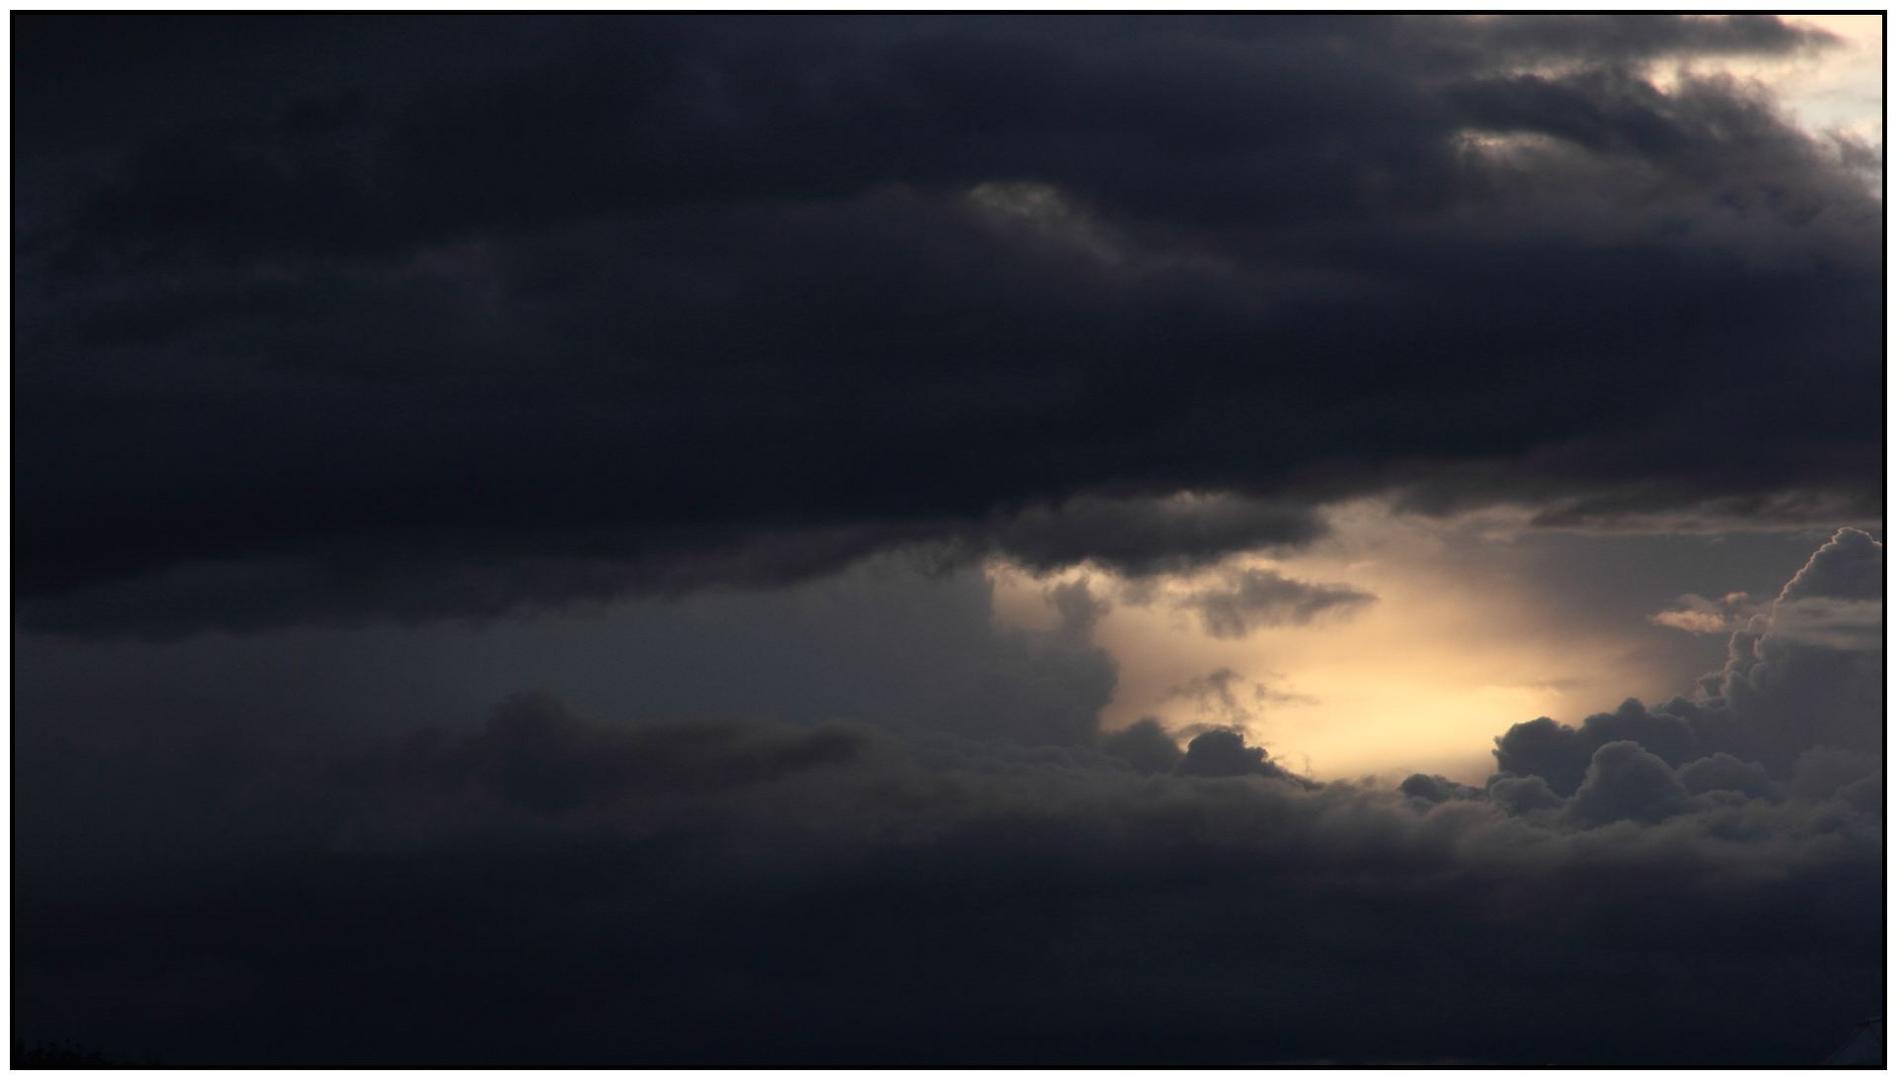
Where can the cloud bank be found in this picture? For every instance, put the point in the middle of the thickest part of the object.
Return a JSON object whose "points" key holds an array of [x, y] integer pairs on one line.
{"points": [[553, 888], [356, 318]]}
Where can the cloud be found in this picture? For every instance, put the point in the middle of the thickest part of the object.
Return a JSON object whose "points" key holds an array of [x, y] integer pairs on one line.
{"points": [[1723, 772], [1436, 789], [1693, 622], [1251, 599], [913, 879], [555, 888], [1810, 671], [1561, 755], [1625, 782], [1140, 537], [1217, 696], [1224, 753], [1635, 513], [1700, 615], [1805, 674], [1850, 566], [535, 754], [1522, 794], [1079, 609], [607, 307], [1144, 744]]}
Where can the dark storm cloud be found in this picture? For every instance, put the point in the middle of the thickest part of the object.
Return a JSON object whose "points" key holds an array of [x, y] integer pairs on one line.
{"points": [[1224, 753], [1632, 513], [1630, 37], [1723, 772], [1560, 754], [1435, 789], [1625, 782], [1139, 537], [554, 890], [534, 753], [1514, 794], [1144, 744], [329, 318]]}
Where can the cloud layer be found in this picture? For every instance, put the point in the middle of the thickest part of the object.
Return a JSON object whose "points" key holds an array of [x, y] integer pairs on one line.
{"points": [[550, 888], [359, 317]]}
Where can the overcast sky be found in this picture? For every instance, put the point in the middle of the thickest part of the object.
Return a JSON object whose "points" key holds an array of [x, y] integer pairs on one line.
{"points": [[948, 540]]}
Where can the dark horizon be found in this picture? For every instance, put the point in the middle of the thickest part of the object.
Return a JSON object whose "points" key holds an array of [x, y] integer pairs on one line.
{"points": [[947, 540]]}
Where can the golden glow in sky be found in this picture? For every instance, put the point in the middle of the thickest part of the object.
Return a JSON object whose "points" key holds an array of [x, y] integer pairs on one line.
{"points": [[1836, 89], [1457, 646]]}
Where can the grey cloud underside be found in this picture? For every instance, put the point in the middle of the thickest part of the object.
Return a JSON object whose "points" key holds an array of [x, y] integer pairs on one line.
{"points": [[577, 307], [352, 584]]}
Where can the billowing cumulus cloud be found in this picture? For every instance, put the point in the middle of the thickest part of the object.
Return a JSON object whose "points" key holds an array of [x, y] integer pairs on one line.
{"points": [[1514, 794], [1807, 673], [1224, 753], [1625, 782], [658, 304], [1144, 744], [1723, 772]]}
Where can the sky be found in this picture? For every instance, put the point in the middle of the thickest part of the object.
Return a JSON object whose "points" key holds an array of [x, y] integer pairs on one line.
{"points": [[950, 540]]}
